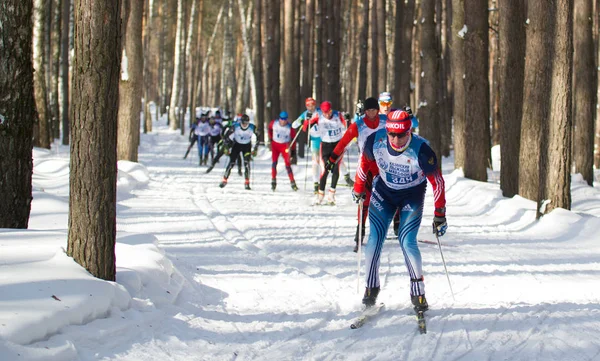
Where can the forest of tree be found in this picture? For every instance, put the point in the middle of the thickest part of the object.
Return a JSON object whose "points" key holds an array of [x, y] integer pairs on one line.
{"points": [[520, 74]]}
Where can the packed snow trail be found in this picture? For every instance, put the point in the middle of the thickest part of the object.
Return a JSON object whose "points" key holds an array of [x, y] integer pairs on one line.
{"points": [[270, 278]]}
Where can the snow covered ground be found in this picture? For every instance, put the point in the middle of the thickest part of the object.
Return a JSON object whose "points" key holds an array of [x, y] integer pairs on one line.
{"points": [[227, 274]]}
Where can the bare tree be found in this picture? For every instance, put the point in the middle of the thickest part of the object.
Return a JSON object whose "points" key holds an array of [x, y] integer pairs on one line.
{"points": [[511, 68], [42, 131], [382, 47], [536, 99], [291, 79], [17, 113], [585, 84], [258, 66], [458, 57], [64, 56], [130, 85], [151, 62], [405, 12], [178, 68], [477, 109], [374, 50], [428, 93], [361, 83], [558, 170], [93, 164]]}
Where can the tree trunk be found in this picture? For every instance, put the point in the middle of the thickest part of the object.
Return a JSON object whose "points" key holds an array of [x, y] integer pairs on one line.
{"points": [[93, 164], [64, 55], [228, 67], [55, 68], [361, 83], [511, 69], [131, 83], [307, 50], [318, 54], [558, 172], [457, 54], [42, 133], [151, 63], [245, 24], [272, 59], [17, 113], [177, 68], [259, 92], [405, 14], [382, 48], [428, 98], [374, 52], [536, 98], [585, 85], [477, 109], [291, 79]]}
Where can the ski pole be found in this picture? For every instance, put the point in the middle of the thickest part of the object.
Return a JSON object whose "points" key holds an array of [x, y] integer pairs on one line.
{"points": [[359, 242], [445, 268], [309, 151]]}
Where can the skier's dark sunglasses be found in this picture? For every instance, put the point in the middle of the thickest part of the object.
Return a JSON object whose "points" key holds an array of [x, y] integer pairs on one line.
{"points": [[398, 135]]}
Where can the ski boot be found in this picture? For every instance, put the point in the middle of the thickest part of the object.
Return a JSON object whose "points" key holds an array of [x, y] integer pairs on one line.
{"points": [[370, 296], [331, 197], [273, 184], [210, 167], [316, 188], [349, 180], [294, 187], [419, 303], [223, 183], [320, 196], [247, 184]]}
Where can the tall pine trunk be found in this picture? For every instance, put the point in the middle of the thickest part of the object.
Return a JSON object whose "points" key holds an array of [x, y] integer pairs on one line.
{"points": [[428, 97], [536, 99], [42, 131], [457, 54], [131, 83], [558, 171], [511, 69], [477, 109], [64, 65], [585, 84], [93, 163], [17, 113]]}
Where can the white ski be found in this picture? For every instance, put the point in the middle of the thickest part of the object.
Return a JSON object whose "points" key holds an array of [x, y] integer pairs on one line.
{"points": [[367, 314]]}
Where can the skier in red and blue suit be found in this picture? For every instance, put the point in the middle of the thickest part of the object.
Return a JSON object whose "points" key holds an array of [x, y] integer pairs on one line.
{"points": [[281, 134], [405, 162], [363, 126]]}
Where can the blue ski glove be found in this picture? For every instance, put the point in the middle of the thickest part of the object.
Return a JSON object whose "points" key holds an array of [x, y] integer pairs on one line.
{"points": [[358, 197], [439, 226]]}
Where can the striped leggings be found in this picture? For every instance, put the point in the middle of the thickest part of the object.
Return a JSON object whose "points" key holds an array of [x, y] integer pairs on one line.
{"points": [[381, 211]]}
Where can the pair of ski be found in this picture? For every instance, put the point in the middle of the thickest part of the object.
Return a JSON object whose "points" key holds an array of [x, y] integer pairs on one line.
{"points": [[370, 312]]}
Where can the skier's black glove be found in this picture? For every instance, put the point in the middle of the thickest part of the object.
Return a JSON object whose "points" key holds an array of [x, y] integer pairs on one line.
{"points": [[330, 164], [439, 225], [358, 197], [407, 109], [308, 116]]}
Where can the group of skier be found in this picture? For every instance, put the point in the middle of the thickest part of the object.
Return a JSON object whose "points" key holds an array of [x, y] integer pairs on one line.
{"points": [[390, 182]]}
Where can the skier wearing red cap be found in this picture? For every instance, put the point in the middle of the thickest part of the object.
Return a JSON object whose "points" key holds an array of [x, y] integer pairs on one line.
{"points": [[331, 126], [405, 162], [280, 136], [365, 125]]}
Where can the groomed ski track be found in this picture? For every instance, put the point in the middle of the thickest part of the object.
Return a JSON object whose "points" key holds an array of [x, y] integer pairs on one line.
{"points": [[270, 278]]}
